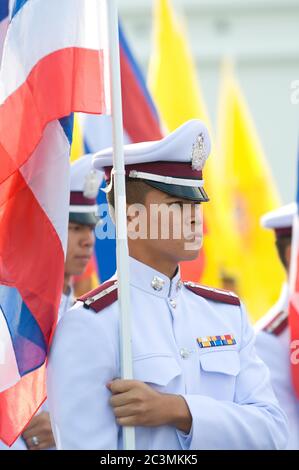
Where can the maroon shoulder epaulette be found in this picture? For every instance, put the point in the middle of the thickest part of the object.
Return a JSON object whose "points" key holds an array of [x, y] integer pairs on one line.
{"points": [[277, 324], [218, 295], [101, 297]]}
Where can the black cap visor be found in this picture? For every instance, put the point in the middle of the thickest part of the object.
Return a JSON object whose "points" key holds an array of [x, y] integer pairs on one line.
{"points": [[84, 218], [191, 193]]}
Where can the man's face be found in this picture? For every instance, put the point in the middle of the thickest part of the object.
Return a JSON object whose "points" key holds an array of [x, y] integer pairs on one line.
{"points": [[173, 226], [79, 248]]}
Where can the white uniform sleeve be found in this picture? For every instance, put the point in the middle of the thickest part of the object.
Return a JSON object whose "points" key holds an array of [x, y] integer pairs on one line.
{"points": [[274, 351], [81, 363], [252, 421]]}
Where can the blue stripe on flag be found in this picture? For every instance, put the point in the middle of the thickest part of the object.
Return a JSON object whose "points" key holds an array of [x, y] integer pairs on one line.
{"points": [[137, 72], [67, 124], [105, 250], [3, 9], [27, 338], [17, 6]]}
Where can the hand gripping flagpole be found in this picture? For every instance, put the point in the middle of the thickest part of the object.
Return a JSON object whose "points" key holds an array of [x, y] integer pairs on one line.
{"points": [[122, 254]]}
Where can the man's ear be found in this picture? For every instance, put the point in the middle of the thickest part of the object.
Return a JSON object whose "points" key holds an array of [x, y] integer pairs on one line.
{"points": [[133, 211], [137, 221], [130, 215]]}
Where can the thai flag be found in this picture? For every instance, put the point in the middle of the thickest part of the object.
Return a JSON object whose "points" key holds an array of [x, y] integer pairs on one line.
{"points": [[53, 64], [294, 296], [141, 124]]}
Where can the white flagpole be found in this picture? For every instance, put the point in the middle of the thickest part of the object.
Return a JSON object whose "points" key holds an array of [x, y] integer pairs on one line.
{"points": [[122, 253]]}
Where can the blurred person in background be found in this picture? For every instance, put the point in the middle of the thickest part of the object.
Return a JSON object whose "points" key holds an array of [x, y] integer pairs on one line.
{"points": [[273, 335]]}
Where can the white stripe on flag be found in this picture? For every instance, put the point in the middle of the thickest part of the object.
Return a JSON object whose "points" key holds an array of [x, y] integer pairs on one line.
{"points": [[58, 24], [97, 131], [47, 174]]}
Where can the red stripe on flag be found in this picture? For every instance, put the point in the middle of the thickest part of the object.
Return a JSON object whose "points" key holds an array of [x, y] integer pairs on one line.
{"points": [[47, 94], [25, 253], [19, 403], [139, 121]]}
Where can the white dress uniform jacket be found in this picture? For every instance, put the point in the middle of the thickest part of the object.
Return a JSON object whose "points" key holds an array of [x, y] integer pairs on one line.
{"points": [[227, 388], [65, 304], [273, 346]]}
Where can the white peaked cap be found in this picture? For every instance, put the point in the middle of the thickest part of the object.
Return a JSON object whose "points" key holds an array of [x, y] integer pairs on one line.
{"points": [[281, 218], [85, 184], [173, 164]]}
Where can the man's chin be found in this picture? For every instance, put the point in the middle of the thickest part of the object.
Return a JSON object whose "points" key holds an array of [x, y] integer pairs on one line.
{"points": [[193, 246], [80, 268], [191, 252]]}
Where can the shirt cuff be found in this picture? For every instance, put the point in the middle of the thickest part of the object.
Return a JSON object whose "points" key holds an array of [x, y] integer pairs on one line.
{"points": [[185, 439]]}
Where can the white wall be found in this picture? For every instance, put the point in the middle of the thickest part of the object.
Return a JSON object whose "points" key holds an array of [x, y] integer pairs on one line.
{"points": [[263, 38]]}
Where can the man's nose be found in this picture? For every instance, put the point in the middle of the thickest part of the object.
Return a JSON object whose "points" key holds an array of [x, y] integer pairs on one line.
{"points": [[88, 238], [196, 213]]}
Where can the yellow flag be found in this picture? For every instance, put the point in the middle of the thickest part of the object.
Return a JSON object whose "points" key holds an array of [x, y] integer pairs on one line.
{"points": [[77, 148], [177, 95], [248, 191]]}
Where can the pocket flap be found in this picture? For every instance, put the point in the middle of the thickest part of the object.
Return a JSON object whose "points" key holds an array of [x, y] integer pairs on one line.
{"points": [[156, 369], [223, 362]]}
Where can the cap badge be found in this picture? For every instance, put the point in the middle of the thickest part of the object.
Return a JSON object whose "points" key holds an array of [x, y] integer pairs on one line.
{"points": [[157, 283], [91, 185], [198, 153]]}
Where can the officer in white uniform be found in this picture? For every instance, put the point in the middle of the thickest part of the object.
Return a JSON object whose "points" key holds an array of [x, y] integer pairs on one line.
{"points": [[273, 335], [84, 184], [198, 381]]}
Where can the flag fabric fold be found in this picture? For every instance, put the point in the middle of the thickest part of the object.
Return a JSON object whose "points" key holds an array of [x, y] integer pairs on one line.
{"points": [[52, 65]]}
